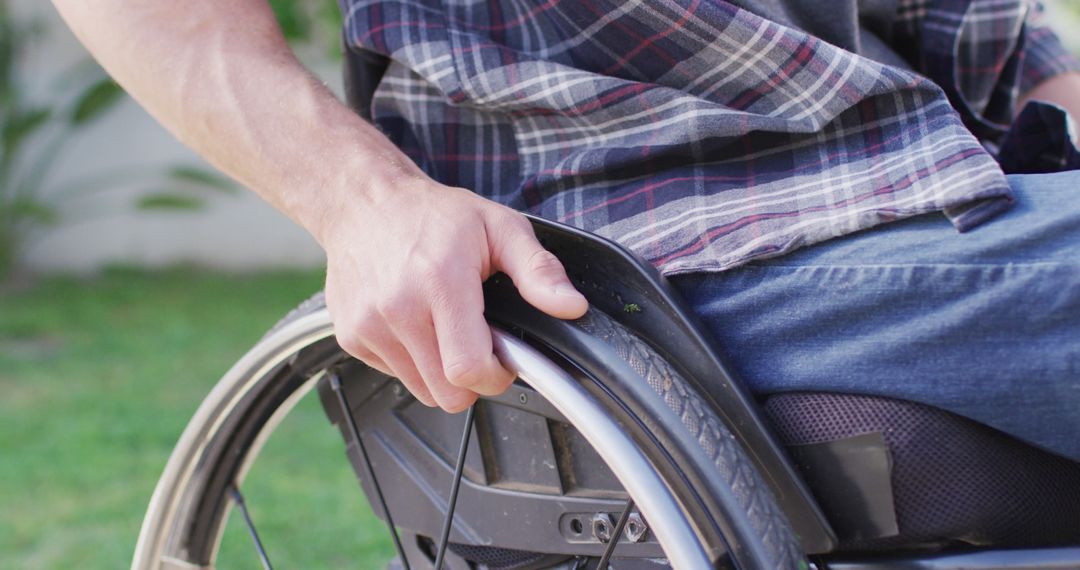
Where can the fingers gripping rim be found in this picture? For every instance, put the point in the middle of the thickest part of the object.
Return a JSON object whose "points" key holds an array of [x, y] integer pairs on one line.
{"points": [[177, 519], [777, 541], [777, 547]]}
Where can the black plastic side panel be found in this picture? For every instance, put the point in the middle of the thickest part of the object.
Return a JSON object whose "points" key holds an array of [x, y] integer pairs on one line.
{"points": [[852, 479], [637, 296], [531, 482]]}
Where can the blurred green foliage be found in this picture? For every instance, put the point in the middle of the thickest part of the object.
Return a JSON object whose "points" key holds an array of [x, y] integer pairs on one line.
{"points": [[98, 379], [311, 21], [31, 136], [1072, 6], [34, 132]]}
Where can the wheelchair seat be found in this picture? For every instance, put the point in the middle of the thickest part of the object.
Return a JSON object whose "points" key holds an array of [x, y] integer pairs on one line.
{"points": [[951, 482]]}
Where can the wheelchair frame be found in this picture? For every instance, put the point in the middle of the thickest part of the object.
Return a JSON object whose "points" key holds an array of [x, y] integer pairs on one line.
{"points": [[260, 389], [613, 279], [610, 278], [633, 294]]}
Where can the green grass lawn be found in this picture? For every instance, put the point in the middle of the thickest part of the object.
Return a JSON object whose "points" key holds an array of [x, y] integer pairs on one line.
{"points": [[97, 380]]}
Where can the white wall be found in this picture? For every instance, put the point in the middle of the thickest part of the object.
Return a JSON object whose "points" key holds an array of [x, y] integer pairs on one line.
{"points": [[235, 231]]}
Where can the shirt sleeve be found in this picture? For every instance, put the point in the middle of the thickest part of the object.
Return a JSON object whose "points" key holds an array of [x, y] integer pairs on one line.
{"points": [[1044, 55]]}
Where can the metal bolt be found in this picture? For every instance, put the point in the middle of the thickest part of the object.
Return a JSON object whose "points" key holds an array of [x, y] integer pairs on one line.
{"points": [[635, 528], [602, 526], [523, 398]]}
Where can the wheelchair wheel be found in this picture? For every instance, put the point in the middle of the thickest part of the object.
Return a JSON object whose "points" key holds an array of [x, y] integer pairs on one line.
{"points": [[631, 410]]}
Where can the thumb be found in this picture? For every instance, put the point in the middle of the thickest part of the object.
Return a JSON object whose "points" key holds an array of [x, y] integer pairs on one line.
{"points": [[538, 275]]}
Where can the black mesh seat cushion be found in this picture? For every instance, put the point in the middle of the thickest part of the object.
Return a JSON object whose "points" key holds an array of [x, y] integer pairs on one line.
{"points": [[953, 480]]}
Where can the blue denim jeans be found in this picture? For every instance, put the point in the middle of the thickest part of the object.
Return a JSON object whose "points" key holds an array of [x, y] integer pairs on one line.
{"points": [[985, 324]]}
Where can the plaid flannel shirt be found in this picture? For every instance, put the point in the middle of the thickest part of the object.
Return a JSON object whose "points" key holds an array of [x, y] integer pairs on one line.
{"points": [[701, 135]]}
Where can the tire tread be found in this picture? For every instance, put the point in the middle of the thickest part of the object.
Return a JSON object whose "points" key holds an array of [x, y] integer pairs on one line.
{"points": [[732, 463]]}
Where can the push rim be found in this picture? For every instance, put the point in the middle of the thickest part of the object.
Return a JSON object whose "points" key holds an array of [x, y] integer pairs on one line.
{"points": [[238, 414]]}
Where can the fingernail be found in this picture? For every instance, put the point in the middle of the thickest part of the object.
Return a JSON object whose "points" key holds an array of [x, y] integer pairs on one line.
{"points": [[567, 290]]}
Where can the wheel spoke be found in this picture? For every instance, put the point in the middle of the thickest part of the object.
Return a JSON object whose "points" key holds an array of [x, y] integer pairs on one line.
{"points": [[335, 384], [615, 534], [459, 469], [239, 500]]}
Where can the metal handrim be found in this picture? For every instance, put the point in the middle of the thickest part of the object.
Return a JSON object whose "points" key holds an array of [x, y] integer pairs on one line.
{"points": [[673, 530]]}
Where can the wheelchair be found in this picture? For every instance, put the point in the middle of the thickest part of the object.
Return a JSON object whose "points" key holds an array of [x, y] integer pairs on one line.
{"points": [[624, 443]]}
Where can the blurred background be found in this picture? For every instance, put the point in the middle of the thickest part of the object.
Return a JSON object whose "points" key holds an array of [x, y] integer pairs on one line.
{"points": [[131, 277]]}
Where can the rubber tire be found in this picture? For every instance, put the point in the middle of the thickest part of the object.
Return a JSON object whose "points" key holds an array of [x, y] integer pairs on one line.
{"points": [[766, 540]]}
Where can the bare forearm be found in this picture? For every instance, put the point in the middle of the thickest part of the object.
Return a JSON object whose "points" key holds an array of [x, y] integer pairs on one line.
{"points": [[220, 76], [405, 254]]}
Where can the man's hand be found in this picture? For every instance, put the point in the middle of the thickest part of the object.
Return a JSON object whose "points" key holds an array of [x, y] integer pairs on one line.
{"points": [[403, 285], [406, 255]]}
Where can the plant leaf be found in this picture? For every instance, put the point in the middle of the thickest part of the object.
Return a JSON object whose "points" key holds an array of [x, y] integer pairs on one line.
{"points": [[32, 211], [201, 177], [22, 125], [169, 201], [97, 99]]}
